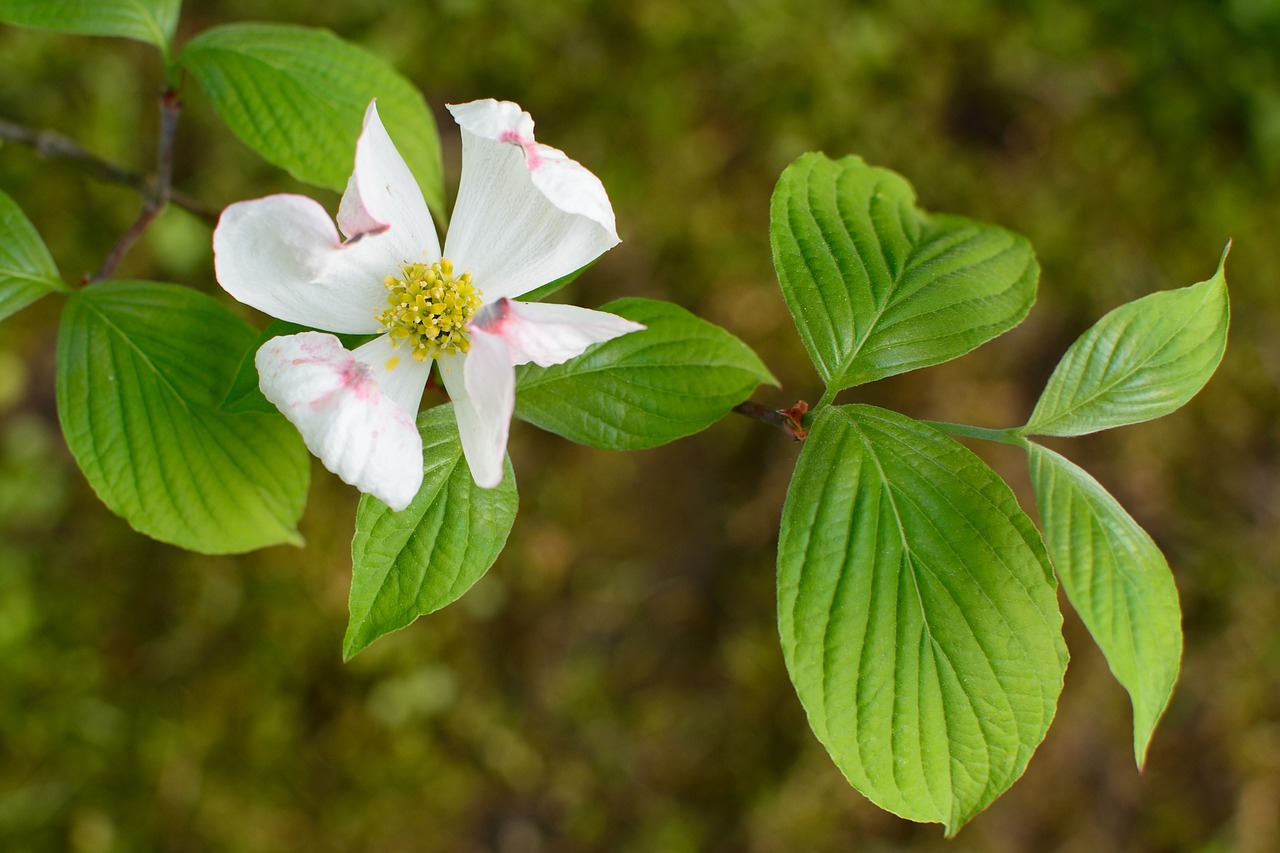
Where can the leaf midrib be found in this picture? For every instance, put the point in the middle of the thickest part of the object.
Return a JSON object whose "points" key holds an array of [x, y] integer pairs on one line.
{"points": [[1120, 378]]}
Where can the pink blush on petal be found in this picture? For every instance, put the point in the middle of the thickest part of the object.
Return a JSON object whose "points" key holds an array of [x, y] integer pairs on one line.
{"points": [[494, 317], [531, 157], [357, 378]]}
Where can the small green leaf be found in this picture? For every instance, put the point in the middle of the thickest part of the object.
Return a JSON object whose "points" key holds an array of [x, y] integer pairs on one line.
{"points": [[298, 95], [918, 615], [150, 21], [1139, 362], [413, 562], [678, 376], [1117, 580], [877, 286], [27, 272], [141, 369]]}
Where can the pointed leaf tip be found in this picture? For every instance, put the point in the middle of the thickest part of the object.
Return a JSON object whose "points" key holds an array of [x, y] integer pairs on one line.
{"points": [[1117, 580], [674, 378], [413, 562], [1141, 361]]}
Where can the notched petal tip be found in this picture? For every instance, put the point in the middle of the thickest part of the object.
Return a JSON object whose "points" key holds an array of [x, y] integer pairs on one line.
{"points": [[382, 193], [565, 182], [492, 119]]}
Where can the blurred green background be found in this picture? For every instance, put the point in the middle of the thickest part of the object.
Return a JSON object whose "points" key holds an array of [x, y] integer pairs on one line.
{"points": [[615, 682]]}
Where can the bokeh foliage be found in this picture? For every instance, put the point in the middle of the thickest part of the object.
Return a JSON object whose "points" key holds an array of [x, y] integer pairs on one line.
{"points": [[615, 682]]}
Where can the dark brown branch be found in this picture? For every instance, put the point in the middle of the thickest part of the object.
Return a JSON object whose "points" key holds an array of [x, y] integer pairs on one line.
{"points": [[790, 421], [154, 203], [54, 146]]}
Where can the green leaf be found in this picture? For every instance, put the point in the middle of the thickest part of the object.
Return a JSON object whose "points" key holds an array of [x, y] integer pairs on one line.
{"points": [[877, 286], [1117, 580], [298, 95], [540, 293], [27, 272], [1139, 362], [413, 562], [150, 21], [918, 615], [675, 378], [141, 369]]}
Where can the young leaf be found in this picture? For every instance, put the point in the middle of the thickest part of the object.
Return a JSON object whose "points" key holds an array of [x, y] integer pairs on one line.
{"points": [[413, 562], [27, 272], [877, 286], [141, 369], [150, 21], [918, 615], [678, 376], [1117, 580], [297, 96], [1139, 362]]}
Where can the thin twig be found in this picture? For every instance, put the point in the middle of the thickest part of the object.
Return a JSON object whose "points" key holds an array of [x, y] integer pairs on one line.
{"points": [[155, 203], [53, 145], [790, 421]]}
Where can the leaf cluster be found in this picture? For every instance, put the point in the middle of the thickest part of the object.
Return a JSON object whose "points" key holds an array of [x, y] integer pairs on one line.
{"points": [[916, 603]]}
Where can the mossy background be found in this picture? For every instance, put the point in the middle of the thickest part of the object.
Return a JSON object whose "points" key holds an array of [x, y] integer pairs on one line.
{"points": [[615, 682]]}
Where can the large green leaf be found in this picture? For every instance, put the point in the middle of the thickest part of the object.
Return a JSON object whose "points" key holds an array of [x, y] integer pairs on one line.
{"points": [[877, 286], [297, 96], [678, 376], [1117, 580], [918, 615], [151, 21], [1141, 361], [413, 562], [141, 370], [27, 272]]}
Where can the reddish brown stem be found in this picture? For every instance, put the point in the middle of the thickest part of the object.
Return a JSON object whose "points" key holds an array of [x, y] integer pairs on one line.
{"points": [[154, 204], [52, 145], [790, 421]]}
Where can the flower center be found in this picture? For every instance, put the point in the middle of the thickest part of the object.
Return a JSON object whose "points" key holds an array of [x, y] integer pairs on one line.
{"points": [[429, 309]]}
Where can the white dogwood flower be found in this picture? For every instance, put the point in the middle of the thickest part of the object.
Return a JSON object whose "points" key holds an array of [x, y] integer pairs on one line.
{"points": [[526, 215]]}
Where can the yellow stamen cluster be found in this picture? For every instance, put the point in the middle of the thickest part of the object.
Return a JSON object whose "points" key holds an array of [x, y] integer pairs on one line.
{"points": [[429, 309]]}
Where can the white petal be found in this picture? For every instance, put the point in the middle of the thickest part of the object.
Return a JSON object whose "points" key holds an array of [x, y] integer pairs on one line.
{"points": [[357, 431], [281, 255], [549, 333], [482, 385], [526, 214], [393, 368], [383, 196]]}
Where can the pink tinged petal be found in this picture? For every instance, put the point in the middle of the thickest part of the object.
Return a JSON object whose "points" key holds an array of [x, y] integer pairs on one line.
{"points": [[357, 431], [482, 385], [282, 255], [549, 333], [526, 214], [397, 374], [383, 196]]}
